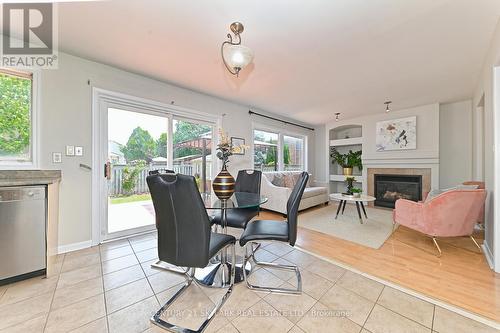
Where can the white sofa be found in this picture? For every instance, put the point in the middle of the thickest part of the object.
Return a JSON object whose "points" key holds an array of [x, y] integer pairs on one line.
{"points": [[278, 194]]}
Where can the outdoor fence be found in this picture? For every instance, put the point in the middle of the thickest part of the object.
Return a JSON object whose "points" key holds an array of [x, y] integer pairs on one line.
{"points": [[268, 168], [115, 187]]}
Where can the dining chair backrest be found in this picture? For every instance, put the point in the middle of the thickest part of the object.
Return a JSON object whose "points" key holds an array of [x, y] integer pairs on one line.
{"points": [[160, 171], [248, 181], [181, 218], [292, 206]]}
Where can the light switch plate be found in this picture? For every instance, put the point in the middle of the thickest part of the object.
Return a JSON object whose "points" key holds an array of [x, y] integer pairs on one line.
{"points": [[70, 150], [79, 151], [56, 157]]}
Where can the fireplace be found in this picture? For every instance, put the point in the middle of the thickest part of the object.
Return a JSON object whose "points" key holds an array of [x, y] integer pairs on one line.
{"points": [[389, 188]]}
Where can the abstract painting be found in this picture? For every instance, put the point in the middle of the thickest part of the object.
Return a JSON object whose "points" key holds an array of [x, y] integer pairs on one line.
{"points": [[397, 134]]}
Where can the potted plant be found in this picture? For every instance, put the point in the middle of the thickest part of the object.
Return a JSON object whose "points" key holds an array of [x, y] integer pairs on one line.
{"points": [[349, 184], [347, 161], [356, 192]]}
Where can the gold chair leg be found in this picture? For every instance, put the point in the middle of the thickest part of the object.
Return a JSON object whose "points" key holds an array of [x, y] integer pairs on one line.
{"points": [[437, 246], [475, 242]]}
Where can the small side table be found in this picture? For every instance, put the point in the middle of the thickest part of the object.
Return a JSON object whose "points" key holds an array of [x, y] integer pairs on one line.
{"points": [[343, 199]]}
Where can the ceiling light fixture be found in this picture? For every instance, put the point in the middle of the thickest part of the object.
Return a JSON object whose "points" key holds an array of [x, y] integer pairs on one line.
{"points": [[234, 55], [387, 109], [337, 114]]}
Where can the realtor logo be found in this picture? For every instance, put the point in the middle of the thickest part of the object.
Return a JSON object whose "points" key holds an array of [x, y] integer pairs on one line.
{"points": [[29, 35]]}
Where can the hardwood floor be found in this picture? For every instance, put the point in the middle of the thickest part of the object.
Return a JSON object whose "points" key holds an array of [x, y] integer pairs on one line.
{"points": [[461, 276]]}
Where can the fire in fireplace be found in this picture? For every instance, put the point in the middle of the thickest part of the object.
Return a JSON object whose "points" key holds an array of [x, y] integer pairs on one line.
{"points": [[389, 188]]}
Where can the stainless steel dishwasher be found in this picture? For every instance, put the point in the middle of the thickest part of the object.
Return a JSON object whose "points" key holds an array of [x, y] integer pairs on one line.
{"points": [[23, 216]]}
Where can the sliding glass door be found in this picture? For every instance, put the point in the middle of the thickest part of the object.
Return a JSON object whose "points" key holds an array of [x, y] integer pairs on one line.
{"points": [[137, 144], [134, 140], [192, 150]]}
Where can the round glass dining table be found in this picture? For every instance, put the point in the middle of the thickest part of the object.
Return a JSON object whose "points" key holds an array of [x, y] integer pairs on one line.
{"points": [[218, 272]]}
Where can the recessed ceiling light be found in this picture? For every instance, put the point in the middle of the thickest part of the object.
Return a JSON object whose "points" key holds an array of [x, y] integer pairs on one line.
{"points": [[387, 109]]}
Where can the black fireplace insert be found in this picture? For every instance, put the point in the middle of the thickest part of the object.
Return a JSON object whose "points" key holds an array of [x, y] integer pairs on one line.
{"points": [[389, 188]]}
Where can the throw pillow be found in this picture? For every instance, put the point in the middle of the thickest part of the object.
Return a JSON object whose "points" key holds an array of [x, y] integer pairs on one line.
{"points": [[435, 193], [467, 187], [278, 180], [289, 180]]}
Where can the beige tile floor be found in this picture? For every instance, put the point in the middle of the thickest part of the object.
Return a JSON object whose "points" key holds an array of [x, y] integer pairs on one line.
{"points": [[112, 288]]}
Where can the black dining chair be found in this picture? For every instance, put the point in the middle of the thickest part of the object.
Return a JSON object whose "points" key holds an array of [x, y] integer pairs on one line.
{"points": [[160, 171], [246, 181], [276, 231], [184, 236]]}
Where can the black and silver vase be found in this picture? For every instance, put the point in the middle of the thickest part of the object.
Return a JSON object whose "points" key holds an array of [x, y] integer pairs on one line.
{"points": [[223, 184]]}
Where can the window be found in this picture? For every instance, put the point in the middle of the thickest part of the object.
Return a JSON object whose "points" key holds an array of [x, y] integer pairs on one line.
{"points": [[16, 118], [265, 150], [274, 151], [293, 153]]}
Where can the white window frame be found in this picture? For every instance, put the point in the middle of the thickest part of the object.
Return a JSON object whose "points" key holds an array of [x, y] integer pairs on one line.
{"points": [[281, 133], [35, 130]]}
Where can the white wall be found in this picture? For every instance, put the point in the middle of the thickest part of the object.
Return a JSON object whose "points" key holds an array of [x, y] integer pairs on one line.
{"points": [[455, 143], [425, 156], [487, 90], [66, 116]]}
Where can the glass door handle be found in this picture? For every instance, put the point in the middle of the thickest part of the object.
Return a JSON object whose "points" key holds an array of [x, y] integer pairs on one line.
{"points": [[107, 170]]}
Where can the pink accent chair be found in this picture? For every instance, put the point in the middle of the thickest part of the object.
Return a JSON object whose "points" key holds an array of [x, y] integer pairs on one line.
{"points": [[480, 185], [450, 214]]}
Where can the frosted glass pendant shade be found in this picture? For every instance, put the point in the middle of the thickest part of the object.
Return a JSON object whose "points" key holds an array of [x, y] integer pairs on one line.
{"points": [[237, 57]]}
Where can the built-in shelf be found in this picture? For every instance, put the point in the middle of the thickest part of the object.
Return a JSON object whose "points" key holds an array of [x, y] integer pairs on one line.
{"points": [[346, 142], [341, 178]]}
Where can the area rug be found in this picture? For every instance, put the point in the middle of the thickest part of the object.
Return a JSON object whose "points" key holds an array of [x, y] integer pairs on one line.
{"points": [[372, 233]]}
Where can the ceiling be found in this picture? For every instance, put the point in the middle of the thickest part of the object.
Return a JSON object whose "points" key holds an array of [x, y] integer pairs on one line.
{"points": [[312, 58]]}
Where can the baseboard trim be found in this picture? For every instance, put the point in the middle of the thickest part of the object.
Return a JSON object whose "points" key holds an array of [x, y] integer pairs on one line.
{"points": [[74, 246], [447, 306], [488, 255]]}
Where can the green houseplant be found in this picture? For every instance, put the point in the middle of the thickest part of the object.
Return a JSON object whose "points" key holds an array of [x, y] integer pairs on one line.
{"points": [[349, 184], [347, 161], [356, 192]]}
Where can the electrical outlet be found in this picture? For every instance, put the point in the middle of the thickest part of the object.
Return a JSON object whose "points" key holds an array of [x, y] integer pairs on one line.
{"points": [[56, 157], [79, 151], [70, 150]]}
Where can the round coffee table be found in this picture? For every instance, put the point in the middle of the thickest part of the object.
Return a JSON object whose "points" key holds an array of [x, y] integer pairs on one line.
{"points": [[343, 199]]}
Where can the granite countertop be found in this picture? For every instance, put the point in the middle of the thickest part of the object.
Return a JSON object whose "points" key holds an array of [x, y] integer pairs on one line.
{"points": [[29, 177]]}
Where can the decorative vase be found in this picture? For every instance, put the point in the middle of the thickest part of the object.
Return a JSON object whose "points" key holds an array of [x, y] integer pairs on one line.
{"points": [[223, 184], [347, 171], [357, 195]]}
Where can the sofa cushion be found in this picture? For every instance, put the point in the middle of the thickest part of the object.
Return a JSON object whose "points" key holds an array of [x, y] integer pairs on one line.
{"points": [[314, 191]]}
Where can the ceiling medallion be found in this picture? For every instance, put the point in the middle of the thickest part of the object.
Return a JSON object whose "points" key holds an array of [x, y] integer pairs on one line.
{"points": [[234, 55]]}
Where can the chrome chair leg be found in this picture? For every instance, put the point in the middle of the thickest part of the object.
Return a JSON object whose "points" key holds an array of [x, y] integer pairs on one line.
{"points": [[170, 268], [250, 255], [437, 246], [158, 321], [254, 249], [475, 243]]}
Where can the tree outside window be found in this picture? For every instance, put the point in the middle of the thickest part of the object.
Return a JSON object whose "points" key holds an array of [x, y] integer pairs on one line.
{"points": [[15, 117]]}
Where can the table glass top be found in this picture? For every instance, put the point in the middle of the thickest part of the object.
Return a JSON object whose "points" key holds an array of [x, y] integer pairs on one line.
{"points": [[237, 200]]}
